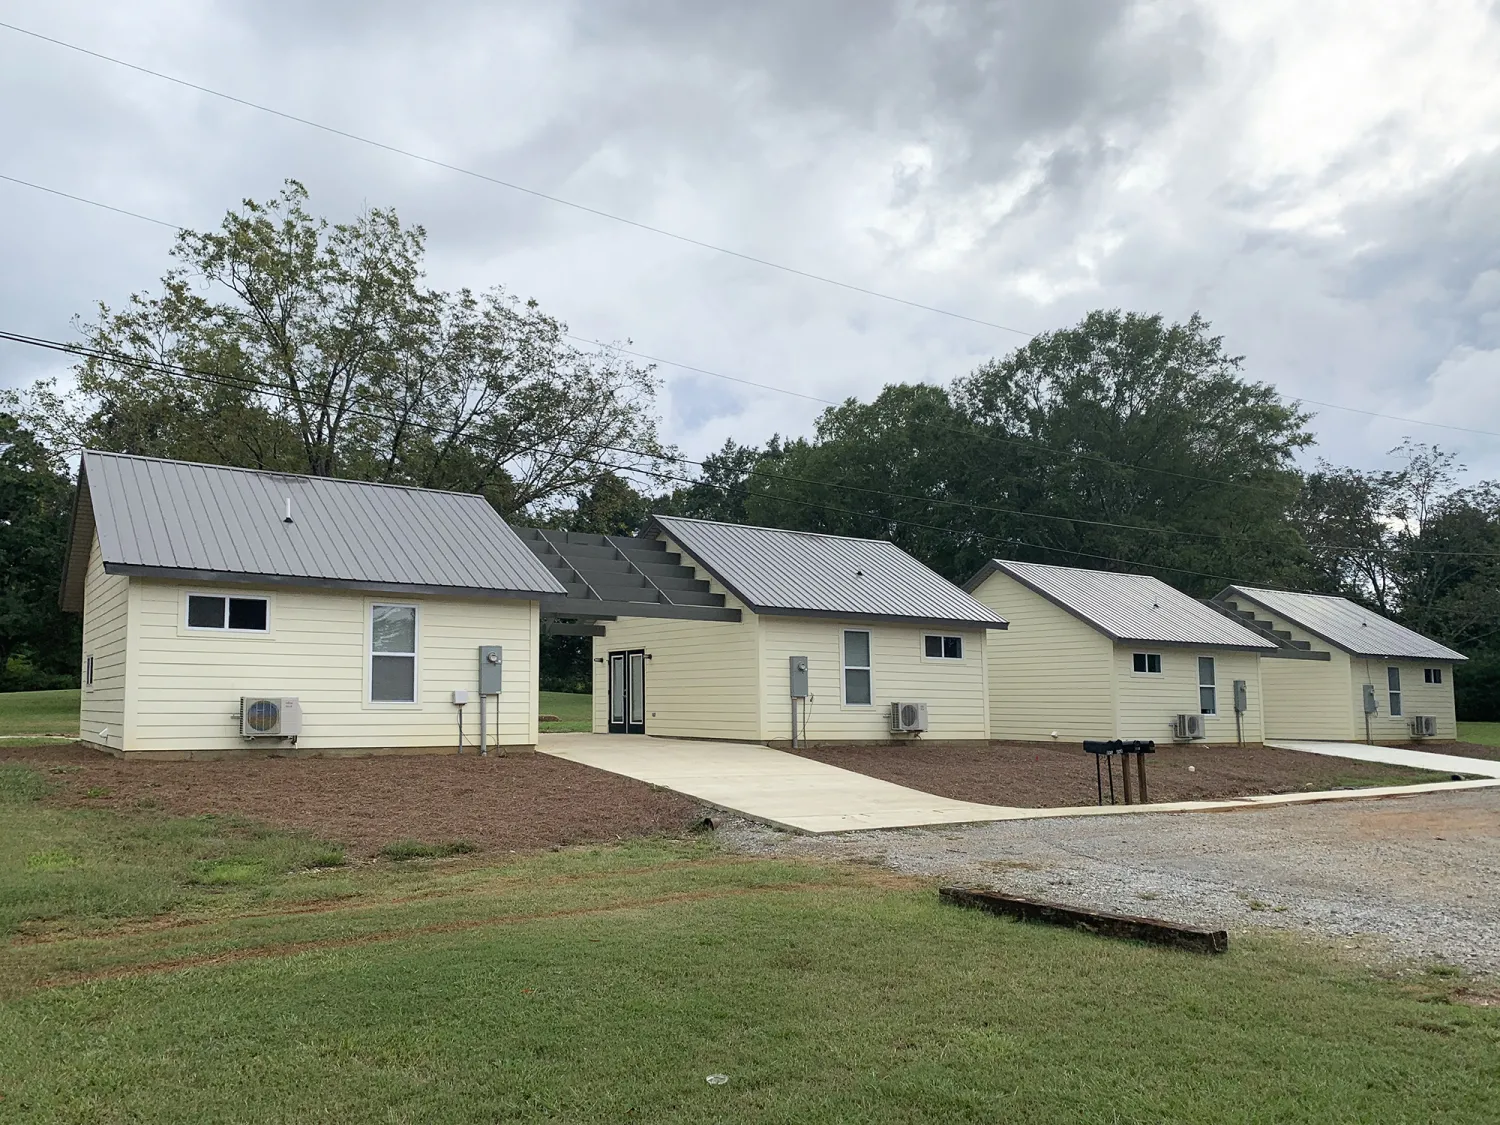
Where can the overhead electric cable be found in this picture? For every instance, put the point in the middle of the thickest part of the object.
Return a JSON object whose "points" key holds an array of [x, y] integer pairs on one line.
{"points": [[512, 186]]}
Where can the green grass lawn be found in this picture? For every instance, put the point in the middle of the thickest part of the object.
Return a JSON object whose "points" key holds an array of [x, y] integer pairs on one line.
{"points": [[1485, 734], [39, 712], [56, 712], [576, 712], [605, 984]]}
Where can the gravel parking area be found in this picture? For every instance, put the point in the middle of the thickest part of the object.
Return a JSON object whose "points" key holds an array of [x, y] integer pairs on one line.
{"points": [[518, 802], [1394, 879]]}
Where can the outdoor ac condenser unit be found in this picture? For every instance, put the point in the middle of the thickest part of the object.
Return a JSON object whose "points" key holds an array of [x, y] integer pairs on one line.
{"points": [[1186, 728], [270, 716], [1424, 726], [908, 717]]}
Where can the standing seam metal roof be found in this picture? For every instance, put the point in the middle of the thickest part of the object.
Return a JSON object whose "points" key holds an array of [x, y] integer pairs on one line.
{"points": [[1346, 624], [1127, 607], [211, 521], [798, 572]]}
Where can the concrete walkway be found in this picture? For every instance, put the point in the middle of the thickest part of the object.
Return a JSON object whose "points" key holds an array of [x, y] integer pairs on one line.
{"points": [[786, 790], [1396, 756], [803, 795]]}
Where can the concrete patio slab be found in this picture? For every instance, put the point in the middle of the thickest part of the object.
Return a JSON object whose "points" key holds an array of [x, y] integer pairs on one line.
{"points": [[1396, 756], [803, 795]]}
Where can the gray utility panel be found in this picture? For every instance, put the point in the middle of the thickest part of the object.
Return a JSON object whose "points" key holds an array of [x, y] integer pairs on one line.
{"points": [[798, 671], [1241, 697], [1371, 707], [491, 663]]}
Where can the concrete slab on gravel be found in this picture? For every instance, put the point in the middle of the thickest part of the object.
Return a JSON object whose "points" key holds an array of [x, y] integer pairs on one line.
{"points": [[804, 795], [1396, 756]]}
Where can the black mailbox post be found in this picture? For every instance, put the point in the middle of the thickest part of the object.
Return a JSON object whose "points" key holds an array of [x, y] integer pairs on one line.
{"points": [[1107, 751]]}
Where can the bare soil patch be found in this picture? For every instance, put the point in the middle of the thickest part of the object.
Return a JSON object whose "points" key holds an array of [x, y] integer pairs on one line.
{"points": [[1045, 775], [519, 802]]}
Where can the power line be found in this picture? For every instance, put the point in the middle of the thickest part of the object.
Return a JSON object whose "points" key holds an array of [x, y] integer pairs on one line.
{"points": [[255, 386], [512, 186], [1022, 443]]}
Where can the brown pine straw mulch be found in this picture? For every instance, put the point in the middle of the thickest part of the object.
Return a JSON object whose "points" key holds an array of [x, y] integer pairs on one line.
{"points": [[1051, 775], [514, 803]]}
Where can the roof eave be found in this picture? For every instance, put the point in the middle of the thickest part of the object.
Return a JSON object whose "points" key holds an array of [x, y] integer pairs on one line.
{"points": [[237, 578], [1241, 592]]}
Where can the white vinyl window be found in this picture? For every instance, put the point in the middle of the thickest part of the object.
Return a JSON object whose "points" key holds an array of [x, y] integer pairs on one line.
{"points": [[218, 611], [1432, 675], [1393, 683], [1208, 693], [1146, 663], [858, 690], [942, 648], [393, 653]]}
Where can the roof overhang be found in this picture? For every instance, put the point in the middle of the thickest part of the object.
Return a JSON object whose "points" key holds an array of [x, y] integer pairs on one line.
{"points": [[238, 578], [1240, 592], [654, 525], [994, 566]]}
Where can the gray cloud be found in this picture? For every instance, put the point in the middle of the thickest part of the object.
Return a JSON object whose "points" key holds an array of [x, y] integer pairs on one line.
{"points": [[1020, 162]]}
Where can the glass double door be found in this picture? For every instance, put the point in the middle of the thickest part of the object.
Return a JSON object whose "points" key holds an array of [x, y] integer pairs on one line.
{"points": [[627, 692]]}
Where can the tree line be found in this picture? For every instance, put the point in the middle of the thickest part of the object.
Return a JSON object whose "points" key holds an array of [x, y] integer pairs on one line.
{"points": [[283, 341]]}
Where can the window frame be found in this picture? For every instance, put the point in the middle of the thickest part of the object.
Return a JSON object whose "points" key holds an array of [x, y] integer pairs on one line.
{"points": [[1393, 690], [942, 640], [415, 654], [845, 667], [1212, 685], [1146, 660], [1432, 675], [188, 626]]}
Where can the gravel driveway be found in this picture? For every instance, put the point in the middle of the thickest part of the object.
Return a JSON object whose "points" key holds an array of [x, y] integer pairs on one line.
{"points": [[1413, 877]]}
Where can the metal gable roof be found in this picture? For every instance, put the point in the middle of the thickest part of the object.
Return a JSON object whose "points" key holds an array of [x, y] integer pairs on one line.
{"points": [[210, 522], [1346, 624], [1128, 607], [808, 574]]}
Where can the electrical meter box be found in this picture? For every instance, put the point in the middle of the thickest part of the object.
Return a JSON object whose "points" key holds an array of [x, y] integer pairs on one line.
{"points": [[490, 664], [1241, 697], [1370, 706], [798, 667]]}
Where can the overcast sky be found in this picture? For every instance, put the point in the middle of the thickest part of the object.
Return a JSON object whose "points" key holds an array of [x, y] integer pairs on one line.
{"points": [[1320, 179]]}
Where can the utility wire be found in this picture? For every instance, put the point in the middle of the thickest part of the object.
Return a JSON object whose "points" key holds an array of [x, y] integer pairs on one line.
{"points": [[512, 186], [1021, 443], [255, 386]]}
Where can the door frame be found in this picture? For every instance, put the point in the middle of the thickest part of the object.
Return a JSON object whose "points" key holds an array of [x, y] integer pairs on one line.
{"points": [[627, 669]]}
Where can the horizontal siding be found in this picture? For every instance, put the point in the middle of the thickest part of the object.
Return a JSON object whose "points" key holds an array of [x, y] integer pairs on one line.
{"points": [[1305, 698], [1048, 672], [954, 690], [1308, 698], [106, 610], [1417, 698], [701, 678], [187, 684], [1149, 703]]}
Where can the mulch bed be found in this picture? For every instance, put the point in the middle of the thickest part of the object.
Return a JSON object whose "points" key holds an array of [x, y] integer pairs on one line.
{"points": [[1046, 775], [523, 802], [1460, 749]]}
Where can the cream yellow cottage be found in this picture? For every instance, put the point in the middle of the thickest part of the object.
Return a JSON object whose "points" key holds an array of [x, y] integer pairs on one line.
{"points": [[1096, 654], [820, 638], [230, 611], [1379, 681]]}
